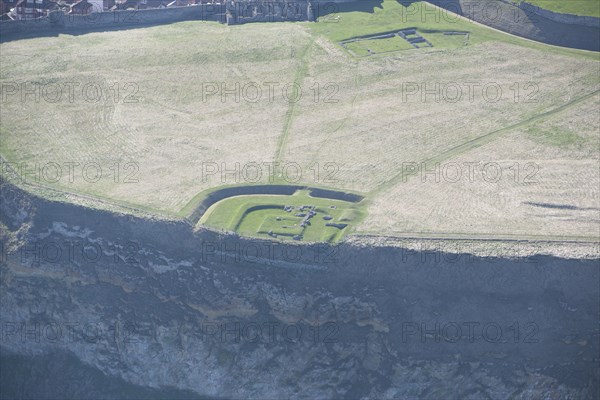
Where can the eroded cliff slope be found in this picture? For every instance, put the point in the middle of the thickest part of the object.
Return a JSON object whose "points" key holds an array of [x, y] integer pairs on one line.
{"points": [[154, 306]]}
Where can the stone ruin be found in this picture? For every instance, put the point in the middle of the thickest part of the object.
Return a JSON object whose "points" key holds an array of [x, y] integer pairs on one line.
{"points": [[306, 212], [245, 11]]}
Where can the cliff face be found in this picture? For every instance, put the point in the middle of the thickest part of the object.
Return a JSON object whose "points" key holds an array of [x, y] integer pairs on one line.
{"points": [[153, 307]]}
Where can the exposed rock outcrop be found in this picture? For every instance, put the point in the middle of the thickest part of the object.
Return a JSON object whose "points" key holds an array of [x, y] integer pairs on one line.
{"points": [[154, 304]]}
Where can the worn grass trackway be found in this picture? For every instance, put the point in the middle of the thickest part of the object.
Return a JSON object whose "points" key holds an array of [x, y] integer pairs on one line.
{"points": [[289, 115], [477, 142]]}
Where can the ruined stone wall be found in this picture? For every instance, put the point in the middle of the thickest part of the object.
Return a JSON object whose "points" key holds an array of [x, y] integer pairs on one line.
{"points": [[58, 22], [241, 11]]}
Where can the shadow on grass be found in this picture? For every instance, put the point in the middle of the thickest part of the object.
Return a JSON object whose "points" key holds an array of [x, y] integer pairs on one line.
{"points": [[55, 31], [329, 8], [559, 206]]}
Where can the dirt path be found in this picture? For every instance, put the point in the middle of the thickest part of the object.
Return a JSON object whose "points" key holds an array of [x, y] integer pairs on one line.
{"points": [[289, 115]]}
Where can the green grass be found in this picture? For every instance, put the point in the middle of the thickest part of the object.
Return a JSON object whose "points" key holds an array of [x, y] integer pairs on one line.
{"points": [[558, 137], [370, 17], [439, 40], [348, 215], [170, 130], [575, 7], [280, 225], [256, 215], [361, 48], [487, 138]]}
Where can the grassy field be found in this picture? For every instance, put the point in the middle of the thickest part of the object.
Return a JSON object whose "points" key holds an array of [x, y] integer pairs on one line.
{"points": [[369, 17], [373, 46], [548, 185], [265, 216], [576, 7], [179, 114], [366, 47]]}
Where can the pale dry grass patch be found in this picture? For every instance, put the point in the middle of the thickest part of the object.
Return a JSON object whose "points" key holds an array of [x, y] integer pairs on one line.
{"points": [[171, 130], [366, 128], [546, 189], [373, 129]]}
